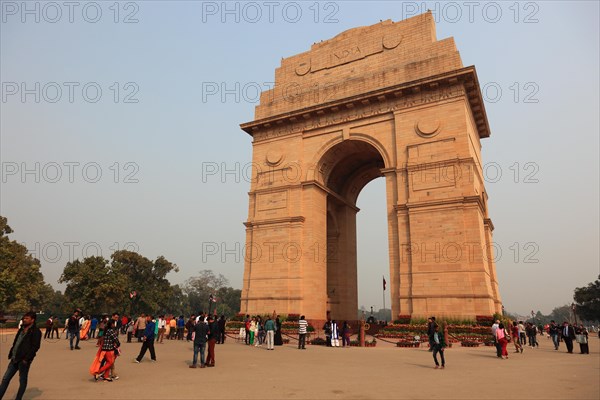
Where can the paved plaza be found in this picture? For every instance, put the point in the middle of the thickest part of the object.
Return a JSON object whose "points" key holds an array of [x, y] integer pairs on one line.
{"points": [[244, 372]]}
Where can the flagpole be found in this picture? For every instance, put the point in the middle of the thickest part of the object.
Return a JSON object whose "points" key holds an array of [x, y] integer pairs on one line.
{"points": [[384, 297]]}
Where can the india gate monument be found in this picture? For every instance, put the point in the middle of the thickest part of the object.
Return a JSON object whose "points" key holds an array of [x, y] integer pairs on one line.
{"points": [[388, 100]]}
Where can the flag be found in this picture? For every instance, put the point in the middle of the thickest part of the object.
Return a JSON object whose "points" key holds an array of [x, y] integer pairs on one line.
{"points": [[384, 283]]}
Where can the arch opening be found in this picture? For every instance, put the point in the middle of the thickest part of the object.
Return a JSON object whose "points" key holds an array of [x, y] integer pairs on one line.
{"points": [[347, 168]]}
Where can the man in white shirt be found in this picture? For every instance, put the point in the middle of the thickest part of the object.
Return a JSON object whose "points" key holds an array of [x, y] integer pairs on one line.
{"points": [[498, 345], [162, 327]]}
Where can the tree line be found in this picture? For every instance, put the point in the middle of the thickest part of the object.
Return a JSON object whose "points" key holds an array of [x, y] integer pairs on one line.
{"points": [[128, 283]]}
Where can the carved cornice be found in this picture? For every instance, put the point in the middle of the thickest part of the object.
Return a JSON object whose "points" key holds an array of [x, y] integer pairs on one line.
{"points": [[403, 208], [449, 296], [458, 83], [288, 220]]}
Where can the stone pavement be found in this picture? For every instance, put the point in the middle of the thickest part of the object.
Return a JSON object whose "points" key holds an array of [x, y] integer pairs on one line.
{"points": [[244, 372]]}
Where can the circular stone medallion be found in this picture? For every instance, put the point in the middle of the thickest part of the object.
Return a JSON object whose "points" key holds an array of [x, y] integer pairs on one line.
{"points": [[428, 128]]}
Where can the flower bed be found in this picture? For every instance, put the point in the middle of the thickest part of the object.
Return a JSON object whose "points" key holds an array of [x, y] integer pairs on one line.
{"points": [[469, 344], [484, 320], [421, 329], [408, 344], [291, 327], [356, 343], [402, 319], [234, 325]]}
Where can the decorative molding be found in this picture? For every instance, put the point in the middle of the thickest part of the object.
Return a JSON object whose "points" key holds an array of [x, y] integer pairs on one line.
{"points": [[285, 220], [446, 86]]}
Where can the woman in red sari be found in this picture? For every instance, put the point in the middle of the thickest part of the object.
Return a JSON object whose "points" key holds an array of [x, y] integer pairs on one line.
{"points": [[107, 353]]}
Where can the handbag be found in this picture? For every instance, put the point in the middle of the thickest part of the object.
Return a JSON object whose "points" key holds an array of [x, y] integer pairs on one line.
{"points": [[581, 339], [508, 338]]}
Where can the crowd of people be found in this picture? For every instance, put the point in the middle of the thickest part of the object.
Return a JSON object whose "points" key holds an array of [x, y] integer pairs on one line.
{"points": [[258, 332], [520, 334], [205, 330]]}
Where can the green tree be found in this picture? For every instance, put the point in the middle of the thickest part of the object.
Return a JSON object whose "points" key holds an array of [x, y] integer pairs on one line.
{"points": [[560, 314], [58, 304], [588, 301], [94, 285], [199, 288], [228, 301], [177, 303], [147, 278], [22, 286]]}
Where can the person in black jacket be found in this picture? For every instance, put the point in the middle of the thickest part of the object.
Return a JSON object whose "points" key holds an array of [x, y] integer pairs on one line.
{"points": [[201, 331], [213, 334], [25, 346], [221, 324], [568, 334]]}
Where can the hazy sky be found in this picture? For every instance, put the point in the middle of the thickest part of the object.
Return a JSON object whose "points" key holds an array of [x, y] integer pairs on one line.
{"points": [[120, 129]]}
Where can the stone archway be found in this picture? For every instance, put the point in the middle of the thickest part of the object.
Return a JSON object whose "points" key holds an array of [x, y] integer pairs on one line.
{"points": [[384, 100], [347, 168]]}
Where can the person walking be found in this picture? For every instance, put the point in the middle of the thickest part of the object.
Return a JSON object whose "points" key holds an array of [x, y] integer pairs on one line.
{"points": [[496, 344], [172, 328], [147, 341], [502, 340], [73, 328], [534, 342], [108, 350], [66, 328], [553, 330], [162, 324], [93, 326], [48, 328], [516, 340], [302, 328], [25, 346], [200, 338], [270, 330], [430, 332], [522, 336], [124, 323], [439, 343], [213, 334], [247, 323], [568, 334], [140, 327], [55, 326], [581, 335]]}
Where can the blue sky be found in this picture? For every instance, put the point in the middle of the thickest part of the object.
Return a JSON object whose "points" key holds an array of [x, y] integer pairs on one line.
{"points": [[123, 168]]}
